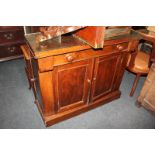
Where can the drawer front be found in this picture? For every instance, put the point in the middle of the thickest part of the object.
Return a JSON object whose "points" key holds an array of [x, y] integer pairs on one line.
{"points": [[66, 58], [10, 28], [47, 63], [80, 55], [10, 50], [11, 36], [121, 46]]}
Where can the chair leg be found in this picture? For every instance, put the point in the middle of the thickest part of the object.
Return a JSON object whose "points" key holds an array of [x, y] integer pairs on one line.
{"points": [[135, 84]]}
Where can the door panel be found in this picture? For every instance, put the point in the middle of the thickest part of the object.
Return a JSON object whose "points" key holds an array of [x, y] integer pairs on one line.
{"points": [[72, 84], [104, 75]]}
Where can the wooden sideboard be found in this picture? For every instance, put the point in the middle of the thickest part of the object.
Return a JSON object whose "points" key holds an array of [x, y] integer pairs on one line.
{"points": [[74, 78], [11, 37]]}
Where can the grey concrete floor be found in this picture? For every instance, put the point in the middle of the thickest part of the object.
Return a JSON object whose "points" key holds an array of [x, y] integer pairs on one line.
{"points": [[18, 111]]}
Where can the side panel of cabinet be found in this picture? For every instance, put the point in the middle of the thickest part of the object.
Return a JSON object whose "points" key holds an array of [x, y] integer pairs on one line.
{"points": [[72, 84], [43, 89], [104, 75]]}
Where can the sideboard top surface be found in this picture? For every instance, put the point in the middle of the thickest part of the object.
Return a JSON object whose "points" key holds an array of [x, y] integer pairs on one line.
{"points": [[70, 43], [55, 46]]}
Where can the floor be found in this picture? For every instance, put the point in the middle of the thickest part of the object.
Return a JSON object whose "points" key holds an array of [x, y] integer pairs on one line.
{"points": [[18, 111]]}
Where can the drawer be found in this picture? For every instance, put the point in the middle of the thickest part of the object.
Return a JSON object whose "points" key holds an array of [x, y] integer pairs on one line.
{"points": [[87, 54], [10, 50], [47, 63], [121, 46], [66, 58], [10, 28], [11, 36]]}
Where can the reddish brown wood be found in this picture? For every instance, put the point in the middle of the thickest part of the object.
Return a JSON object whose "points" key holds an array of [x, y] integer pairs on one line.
{"points": [[135, 84], [45, 64], [10, 50], [53, 119], [76, 79], [93, 35], [133, 47], [104, 75], [152, 57], [10, 28], [46, 87], [120, 70], [72, 84], [149, 35], [11, 37]]}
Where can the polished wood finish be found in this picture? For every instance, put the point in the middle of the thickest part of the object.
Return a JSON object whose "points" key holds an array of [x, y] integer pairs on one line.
{"points": [[149, 35], [103, 77], [53, 119], [9, 50], [10, 28], [77, 78], [135, 65], [139, 62], [68, 44], [72, 84], [135, 84], [11, 37], [93, 35]]}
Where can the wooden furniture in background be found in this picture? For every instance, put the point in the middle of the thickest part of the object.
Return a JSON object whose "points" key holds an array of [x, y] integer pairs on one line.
{"points": [[147, 94], [139, 62], [149, 35], [11, 37]]}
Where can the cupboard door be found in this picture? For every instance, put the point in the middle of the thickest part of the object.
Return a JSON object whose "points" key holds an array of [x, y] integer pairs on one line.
{"points": [[104, 75], [72, 84]]}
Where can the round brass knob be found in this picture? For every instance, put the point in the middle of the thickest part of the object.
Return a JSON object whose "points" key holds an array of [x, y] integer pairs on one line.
{"points": [[119, 47], [88, 80], [12, 49], [8, 36], [69, 58]]}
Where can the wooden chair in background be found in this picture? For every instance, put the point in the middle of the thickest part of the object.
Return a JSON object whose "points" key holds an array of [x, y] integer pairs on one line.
{"points": [[138, 64]]}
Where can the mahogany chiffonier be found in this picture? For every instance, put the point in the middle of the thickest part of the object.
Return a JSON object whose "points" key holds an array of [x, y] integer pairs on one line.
{"points": [[79, 73], [11, 37]]}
